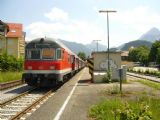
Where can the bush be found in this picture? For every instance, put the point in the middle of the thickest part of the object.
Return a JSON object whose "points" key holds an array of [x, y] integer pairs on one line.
{"points": [[107, 77], [128, 113], [10, 63]]}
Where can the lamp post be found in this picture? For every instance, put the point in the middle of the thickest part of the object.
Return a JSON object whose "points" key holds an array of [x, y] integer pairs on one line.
{"points": [[107, 11], [97, 43]]}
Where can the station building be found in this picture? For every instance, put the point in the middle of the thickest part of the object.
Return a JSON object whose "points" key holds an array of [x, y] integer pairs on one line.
{"points": [[100, 65], [14, 41], [4, 28]]}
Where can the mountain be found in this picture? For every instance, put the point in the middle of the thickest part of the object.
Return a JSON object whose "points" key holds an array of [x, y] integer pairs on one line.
{"points": [[152, 35], [146, 39], [136, 43], [93, 46], [87, 49], [76, 47]]}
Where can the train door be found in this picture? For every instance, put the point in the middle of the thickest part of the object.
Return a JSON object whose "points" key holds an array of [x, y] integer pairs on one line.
{"points": [[73, 62]]}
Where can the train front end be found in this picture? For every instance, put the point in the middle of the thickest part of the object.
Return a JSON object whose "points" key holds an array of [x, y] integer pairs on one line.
{"points": [[43, 63]]}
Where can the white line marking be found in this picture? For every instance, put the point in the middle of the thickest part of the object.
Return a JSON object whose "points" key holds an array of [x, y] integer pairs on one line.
{"points": [[57, 117]]}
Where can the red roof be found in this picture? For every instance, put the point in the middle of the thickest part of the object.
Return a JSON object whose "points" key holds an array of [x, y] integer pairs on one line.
{"points": [[15, 30]]}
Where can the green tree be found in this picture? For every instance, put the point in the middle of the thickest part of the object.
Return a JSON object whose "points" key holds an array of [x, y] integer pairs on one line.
{"points": [[139, 54], [133, 52], [82, 55], [143, 54], [158, 56], [153, 51], [10, 63]]}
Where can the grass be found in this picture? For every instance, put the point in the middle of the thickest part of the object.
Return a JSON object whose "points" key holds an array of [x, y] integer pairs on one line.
{"points": [[115, 106], [108, 109], [10, 76], [150, 83]]}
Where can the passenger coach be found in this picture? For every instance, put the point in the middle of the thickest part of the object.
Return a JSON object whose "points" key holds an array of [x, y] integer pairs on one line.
{"points": [[48, 62]]}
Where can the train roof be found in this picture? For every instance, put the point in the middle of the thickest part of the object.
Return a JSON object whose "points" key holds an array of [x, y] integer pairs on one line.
{"points": [[51, 41]]}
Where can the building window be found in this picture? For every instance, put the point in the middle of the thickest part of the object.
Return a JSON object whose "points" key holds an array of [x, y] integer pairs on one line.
{"points": [[10, 52], [10, 42], [13, 31]]}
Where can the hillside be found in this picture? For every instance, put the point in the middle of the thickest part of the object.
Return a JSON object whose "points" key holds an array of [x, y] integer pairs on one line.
{"points": [[93, 46], [136, 43], [151, 36], [76, 47]]}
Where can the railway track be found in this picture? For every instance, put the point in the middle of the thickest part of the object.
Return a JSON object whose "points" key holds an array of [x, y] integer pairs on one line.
{"points": [[10, 84], [23, 105], [150, 78]]}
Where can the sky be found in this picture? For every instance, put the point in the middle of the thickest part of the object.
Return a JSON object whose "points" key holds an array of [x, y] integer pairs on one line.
{"points": [[80, 21]]}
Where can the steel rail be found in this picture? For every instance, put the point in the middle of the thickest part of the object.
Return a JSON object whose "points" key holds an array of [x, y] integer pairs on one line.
{"points": [[144, 77], [20, 114], [7, 85], [16, 97]]}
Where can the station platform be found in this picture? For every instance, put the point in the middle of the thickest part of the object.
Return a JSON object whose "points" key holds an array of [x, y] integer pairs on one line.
{"points": [[83, 96]]}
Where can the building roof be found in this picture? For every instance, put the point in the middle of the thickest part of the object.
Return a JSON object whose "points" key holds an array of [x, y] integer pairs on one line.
{"points": [[124, 53], [3, 26], [15, 30], [100, 52]]}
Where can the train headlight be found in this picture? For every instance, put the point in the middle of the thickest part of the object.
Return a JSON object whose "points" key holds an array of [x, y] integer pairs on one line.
{"points": [[52, 67], [29, 67]]}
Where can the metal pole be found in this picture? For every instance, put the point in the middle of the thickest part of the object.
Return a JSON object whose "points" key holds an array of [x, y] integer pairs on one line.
{"points": [[108, 40], [97, 43], [107, 11], [97, 46]]}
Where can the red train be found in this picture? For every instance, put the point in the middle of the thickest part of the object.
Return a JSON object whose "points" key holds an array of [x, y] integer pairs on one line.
{"points": [[49, 62]]}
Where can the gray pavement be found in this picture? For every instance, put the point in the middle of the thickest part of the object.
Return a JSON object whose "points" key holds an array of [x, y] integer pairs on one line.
{"points": [[85, 95], [49, 109]]}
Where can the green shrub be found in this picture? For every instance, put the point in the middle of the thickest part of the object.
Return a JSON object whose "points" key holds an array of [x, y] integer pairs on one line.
{"points": [[107, 77], [128, 113], [147, 71], [10, 63], [114, 90], [117, 109]]}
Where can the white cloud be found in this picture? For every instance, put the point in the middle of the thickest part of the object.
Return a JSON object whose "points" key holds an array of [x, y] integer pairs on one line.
{"points": [[140, 19], [131, 24], [68, 29], [78, 31], [56, 14]]}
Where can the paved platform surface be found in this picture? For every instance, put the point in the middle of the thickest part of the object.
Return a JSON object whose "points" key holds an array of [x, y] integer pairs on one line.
{"points": [[77, 107], [85, 94]]}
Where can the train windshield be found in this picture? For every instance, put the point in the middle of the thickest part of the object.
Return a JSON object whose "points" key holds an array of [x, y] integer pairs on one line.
{"points": [[48, 53], [33, 54]]}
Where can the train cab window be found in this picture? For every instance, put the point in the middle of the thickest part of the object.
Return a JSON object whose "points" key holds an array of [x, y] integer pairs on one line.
{"points": [[33, 54], [59, 54], [69, 58], [72, 58], [48, 53]]}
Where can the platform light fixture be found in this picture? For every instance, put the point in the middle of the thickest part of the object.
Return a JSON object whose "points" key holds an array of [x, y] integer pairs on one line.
{"points": [[107, 11], [97, 43]]}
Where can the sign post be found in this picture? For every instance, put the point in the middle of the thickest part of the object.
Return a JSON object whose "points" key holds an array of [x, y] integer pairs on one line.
{"points": [[120, 76]]}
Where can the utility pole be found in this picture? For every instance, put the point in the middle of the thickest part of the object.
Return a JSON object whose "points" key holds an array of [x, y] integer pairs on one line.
{"points": [[107, 11], [97, 43]]}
